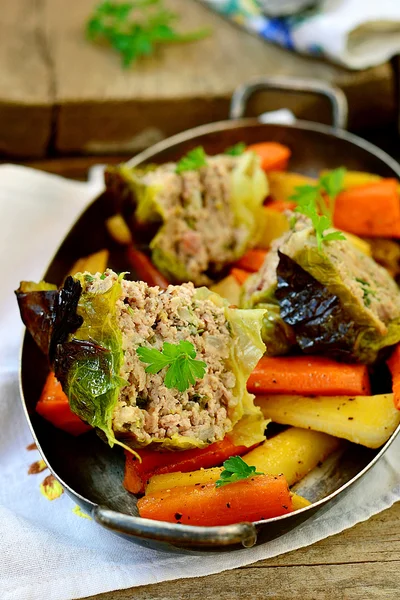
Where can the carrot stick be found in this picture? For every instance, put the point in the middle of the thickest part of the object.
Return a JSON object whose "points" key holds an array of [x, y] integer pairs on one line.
{"points": [[145, 270], [252, 261], [53, 406], [253, 499], [133, 481], [394, 367], [304, 375], [282, 205], [371, 210], [240, 275], [274, 156], [156, 463]]}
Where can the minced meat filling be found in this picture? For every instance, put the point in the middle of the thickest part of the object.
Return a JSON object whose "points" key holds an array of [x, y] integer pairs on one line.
{"points": [[146, 409], [199, 223], [369, 286]]}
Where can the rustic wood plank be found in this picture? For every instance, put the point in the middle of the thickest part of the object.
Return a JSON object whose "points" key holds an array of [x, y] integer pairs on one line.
{"points": [[26, 96], [103, 108], [59, 92], [362, 563], [333, 582]]}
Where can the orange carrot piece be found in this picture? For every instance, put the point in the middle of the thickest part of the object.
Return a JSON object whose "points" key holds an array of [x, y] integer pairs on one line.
{"points": [[372, 210], [282, 205], [145, 270], [274, 156], [253, 499], [394, 367], [156, 463], [240, 275], [252, 261], [308, 375], [133, 482], [53, 406]]}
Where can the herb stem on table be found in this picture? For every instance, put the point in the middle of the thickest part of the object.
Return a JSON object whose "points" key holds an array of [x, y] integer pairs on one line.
{"points": [[137, 28]]}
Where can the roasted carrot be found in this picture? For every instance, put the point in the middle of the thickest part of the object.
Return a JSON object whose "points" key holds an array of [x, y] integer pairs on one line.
{"points": [[282, 205], [54, 407], [274, 156], [394, 367], [252, 261], [145, 270], [371, 210], [240, 275], [306, 375], [253, 499], [156, 463]]}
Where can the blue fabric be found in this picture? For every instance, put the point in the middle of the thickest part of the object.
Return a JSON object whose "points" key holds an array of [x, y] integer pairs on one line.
{"points": [[248, 14]]}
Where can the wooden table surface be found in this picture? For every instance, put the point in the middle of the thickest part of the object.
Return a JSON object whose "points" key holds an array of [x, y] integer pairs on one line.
{"points": [[61, 94], [362, 563]]}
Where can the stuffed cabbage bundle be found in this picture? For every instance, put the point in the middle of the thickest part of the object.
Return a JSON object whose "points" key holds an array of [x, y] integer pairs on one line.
{"points": [[207, 217], [101, 334], [337, 300]]}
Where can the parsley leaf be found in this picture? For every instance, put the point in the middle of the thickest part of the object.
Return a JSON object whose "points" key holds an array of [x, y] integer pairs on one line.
{"points": [[332, 182], [235, 469], [319, 208], [182, 368], [151, 27], [236, 150], [192, 161]]}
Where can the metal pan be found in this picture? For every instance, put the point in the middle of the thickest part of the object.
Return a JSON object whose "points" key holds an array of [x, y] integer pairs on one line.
{"points": [[91, 472]]}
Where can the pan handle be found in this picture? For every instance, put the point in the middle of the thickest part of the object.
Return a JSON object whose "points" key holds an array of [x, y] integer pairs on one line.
{"points": [[188, 535], [336, 97]]}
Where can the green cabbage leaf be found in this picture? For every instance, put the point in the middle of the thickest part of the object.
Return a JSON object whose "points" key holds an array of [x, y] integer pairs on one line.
{"points": [[249, 190], [88, 356], [247, 347], [88, 365], [277, 335], [244, 215], [325, 315]]}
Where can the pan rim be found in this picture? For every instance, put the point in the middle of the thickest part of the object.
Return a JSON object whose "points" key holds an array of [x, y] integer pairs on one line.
{"points": [[220, 126]]}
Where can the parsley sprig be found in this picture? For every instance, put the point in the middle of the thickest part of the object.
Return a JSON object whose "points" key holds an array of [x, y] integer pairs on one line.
{"points": [[235, 469], [136, 28], [317, 202], [183, 370], [192, 161], [236, 150]]}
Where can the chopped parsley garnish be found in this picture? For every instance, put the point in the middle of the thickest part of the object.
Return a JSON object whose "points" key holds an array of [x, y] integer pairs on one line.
{"points": [[192, 161], [137, 28], [367, 292], [235, 469], [317, 202], [236, 150], [102, 276], [88, 278], [182, 368]]}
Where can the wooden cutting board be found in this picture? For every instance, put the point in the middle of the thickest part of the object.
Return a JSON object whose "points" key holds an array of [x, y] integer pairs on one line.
{"points": [[61, 94]]}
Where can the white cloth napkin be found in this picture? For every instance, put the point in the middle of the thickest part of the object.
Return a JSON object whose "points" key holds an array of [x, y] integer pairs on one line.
{"points": [[356, 33], [46, 551]]}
